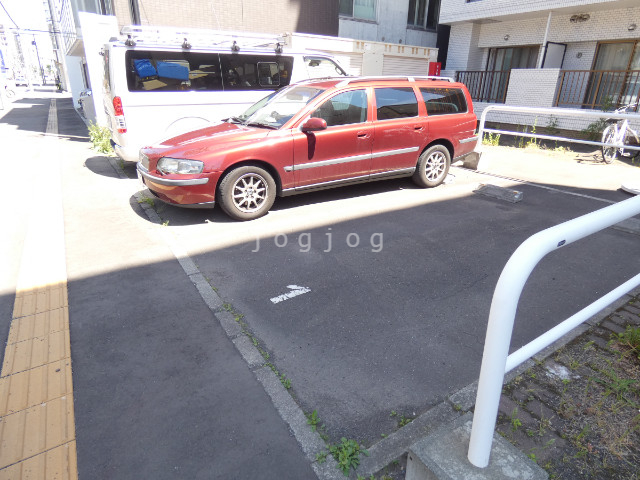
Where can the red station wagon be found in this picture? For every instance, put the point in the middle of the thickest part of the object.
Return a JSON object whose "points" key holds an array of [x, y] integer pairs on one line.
{"points": [[314, 135]]}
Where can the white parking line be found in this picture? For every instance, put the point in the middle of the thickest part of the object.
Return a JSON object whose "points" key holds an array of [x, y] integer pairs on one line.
{"points": [[295, 291]]}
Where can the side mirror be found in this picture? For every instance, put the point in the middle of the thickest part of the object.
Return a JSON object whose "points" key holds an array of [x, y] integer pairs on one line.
{"points": [[314, 124]]}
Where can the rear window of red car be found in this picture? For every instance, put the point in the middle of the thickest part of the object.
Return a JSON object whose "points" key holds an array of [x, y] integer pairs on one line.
{"points": [[396, 103], [443, 101]]}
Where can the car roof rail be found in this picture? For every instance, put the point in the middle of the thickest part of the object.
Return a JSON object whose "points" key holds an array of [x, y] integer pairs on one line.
{"points": [[409, 78], [146, 35], [319, 79]]}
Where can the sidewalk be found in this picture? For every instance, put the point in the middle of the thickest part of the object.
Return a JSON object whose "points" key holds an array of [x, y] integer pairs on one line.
{"points": [[159, 391]]}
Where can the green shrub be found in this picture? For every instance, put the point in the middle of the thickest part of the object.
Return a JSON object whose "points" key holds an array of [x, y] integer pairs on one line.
{"points": [[100, 138]]}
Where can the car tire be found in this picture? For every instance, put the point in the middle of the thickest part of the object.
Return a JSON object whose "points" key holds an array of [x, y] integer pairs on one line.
{"points": [[433, 166], [246, 193]]}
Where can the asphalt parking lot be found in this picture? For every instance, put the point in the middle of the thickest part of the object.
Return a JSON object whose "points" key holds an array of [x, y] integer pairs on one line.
{"points": [[369, 300], [390, 285]]}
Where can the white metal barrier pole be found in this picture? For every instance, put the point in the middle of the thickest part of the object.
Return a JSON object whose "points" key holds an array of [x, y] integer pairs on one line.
{"points": [[503, 310], [557, 111], [527, 351]]}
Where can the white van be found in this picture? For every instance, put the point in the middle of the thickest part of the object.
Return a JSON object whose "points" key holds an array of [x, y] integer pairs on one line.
{"points": [[160, 81]]}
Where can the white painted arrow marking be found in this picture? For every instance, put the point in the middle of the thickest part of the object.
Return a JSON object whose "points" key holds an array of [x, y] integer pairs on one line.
{"points": [[295, 291]]}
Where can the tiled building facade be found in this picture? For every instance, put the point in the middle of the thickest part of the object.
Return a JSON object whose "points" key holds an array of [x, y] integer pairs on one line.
{"points": [[543, 42]]}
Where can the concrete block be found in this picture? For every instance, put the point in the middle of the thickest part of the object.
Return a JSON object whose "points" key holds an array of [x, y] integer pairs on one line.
{"points": [[472, 161], [443, 456]]}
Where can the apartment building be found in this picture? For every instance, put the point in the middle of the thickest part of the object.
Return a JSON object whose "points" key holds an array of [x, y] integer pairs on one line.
{"points": [[410, 22], [567, 53]]}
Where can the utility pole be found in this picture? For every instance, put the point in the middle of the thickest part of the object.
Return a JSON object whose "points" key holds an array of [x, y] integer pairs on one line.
{"points": [[58, 43], [38, 56]]}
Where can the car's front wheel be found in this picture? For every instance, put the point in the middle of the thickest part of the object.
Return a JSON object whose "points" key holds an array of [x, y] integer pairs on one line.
{"points": [[433, 166], [247, 192]]}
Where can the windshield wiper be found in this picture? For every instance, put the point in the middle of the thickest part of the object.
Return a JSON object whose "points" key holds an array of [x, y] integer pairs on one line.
{"points": [[261, 125], [234, 120]]}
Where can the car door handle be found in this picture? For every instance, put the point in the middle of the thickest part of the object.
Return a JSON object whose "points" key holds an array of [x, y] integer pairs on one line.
{"points": [[418, 127], [363, 134]]}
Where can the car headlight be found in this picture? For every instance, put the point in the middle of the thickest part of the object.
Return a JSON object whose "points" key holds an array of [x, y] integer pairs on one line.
{"points": [[144, 160], [179, 165]]}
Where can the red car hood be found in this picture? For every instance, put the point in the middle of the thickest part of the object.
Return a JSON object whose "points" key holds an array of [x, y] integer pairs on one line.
{"points": [[199, 143]]}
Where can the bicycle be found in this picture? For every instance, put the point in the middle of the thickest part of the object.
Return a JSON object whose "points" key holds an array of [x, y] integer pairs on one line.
{"points": [[9, 92], [618, 134]]}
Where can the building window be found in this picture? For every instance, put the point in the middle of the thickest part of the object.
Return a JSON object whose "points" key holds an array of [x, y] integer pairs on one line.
{"points": [[423, 13], [501, 59], [364, 9]]}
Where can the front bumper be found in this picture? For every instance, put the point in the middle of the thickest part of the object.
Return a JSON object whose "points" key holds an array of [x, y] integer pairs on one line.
{"points": [[187, 192]]}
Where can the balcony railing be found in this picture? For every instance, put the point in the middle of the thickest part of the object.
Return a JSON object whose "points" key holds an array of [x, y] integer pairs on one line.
{"points": [[598, 89], [486, 86]]}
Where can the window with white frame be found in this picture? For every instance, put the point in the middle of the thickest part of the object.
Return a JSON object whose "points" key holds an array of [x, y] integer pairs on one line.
{"points": [[363, 9], [423, 13]]}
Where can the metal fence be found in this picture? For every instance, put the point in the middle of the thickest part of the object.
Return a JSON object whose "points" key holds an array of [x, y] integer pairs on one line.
{"points": [[597, 89], [486, 86], [553, 113]]}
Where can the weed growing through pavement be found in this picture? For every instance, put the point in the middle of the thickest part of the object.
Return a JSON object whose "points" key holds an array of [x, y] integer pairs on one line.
{"points": [[515, 421], [630, 339], [404, 421], [100, 138], [148, 200], [312, 419], [347, 454]]}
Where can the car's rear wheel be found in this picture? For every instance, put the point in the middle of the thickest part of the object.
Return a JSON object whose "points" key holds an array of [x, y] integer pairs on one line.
{"points": [[247, 192], [433, 166]]}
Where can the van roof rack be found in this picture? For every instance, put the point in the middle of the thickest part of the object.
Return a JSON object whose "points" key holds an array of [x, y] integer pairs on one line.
{"points": [[197, 37], [409, 78]]}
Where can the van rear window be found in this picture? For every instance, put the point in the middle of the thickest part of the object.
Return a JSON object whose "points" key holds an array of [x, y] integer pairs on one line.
{"points": [[443, 101], [155, 71]]}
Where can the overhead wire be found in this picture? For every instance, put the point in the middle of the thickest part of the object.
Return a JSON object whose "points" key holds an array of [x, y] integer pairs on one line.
{"points": [[8, 15]]}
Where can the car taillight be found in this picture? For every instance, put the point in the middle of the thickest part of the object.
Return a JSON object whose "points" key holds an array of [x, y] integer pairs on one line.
{"points": [[119, 112]]}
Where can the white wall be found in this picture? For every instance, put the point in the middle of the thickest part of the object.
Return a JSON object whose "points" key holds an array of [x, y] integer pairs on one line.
{"points": [[96, 31], [453, 11], [74, 70], [470, 42], [390, 26], [532, 87], [602, 25]]}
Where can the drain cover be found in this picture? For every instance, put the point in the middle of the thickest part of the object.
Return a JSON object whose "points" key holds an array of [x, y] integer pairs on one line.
{"points": [[501, 193]]}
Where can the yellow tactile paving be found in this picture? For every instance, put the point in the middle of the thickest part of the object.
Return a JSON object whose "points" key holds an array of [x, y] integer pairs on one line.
{"points": [[37, 426], [35, 387], [38, 325], [59, 464], [36, 352], [42, 299], [33, 431]]}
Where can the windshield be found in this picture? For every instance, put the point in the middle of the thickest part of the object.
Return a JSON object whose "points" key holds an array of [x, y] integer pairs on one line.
{"points": [[276, 109]]}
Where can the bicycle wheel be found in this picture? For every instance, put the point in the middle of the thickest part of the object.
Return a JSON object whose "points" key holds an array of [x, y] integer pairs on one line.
{"points": [[609, 153], [630, 138]]}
